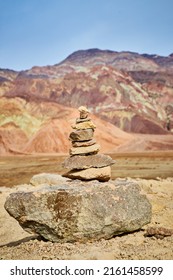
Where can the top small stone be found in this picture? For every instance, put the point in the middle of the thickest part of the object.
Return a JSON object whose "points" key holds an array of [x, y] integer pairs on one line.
{"points": [[83, 112], [83, 109]]}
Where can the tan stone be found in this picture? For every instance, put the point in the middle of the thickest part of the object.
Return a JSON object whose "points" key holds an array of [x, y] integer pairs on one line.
{"points": [[83, 115], [83, 112], [85, 150], [46, 178], [88, 161], [84, 125], [100, 174], [79, 120], [81, 135], [83, 143], [83, 109]]}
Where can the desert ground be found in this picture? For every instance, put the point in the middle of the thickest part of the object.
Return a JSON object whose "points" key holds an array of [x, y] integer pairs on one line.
{"points": [[153, 171]]}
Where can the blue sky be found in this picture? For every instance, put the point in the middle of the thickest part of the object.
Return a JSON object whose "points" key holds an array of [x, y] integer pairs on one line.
{"points": [[44, 32]]}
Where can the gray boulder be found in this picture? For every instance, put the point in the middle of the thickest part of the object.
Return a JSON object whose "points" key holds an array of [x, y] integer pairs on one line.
{"points": [[80, 211]]}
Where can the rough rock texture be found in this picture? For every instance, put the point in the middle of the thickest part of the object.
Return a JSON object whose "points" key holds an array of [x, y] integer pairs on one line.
{"points": [[101, 174], [80, 211], [83, 143], [133, 246], [158, 232], [85, 150], [81, 135], [84, 125], [83, 162]]}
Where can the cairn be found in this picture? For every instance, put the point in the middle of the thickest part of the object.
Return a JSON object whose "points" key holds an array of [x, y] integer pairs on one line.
{"points": [[84, 162], [62, 210]]}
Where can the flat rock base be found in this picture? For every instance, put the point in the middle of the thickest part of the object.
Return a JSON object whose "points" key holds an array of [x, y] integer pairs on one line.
{"points": [[84, 162], [101, 174]]}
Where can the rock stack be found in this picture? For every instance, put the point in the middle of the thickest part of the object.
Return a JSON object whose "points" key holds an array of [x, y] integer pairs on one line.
{"points": [[84, 162]]}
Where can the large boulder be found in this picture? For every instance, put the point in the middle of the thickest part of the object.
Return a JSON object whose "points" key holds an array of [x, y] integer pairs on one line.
{"points": [[80, 211]]}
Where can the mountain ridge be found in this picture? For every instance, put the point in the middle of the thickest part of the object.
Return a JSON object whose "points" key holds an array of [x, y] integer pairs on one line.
{"points": [[128, 90]]}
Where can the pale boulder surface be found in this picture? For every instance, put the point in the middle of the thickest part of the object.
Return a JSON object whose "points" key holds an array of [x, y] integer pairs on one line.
{"points": [[47, 178], [80, 211]]}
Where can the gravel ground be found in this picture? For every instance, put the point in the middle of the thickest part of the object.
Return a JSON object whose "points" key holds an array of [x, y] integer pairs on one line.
{"points": [[17, 244]]}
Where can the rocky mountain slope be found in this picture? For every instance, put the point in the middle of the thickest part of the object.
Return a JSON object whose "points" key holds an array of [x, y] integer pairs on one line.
{"points": [[129, 94]]}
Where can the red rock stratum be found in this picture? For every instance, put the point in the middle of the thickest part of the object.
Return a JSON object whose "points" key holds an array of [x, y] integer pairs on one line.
{"points": [[128, 93]]}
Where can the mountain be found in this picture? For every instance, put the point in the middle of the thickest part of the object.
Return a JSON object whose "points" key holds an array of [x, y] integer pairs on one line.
{"points": [[33, 127], [124, 90]]}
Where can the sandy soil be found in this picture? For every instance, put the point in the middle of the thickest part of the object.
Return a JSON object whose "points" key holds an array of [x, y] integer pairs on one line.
{"points": [[17, 244]]}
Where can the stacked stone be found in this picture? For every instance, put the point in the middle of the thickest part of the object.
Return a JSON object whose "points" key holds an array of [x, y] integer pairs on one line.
{"points": [[84, 162]]}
